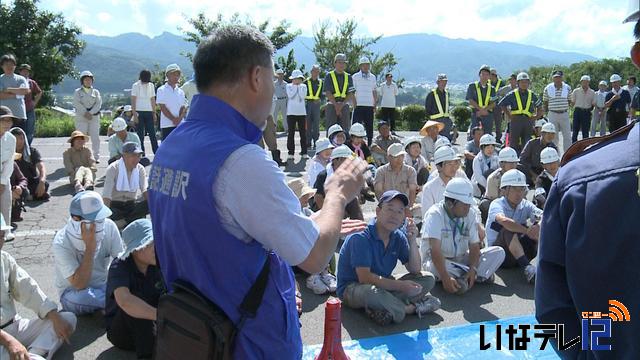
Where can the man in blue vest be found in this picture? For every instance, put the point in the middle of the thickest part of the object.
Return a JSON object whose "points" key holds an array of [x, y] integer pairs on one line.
{"points": [[211, 186]]}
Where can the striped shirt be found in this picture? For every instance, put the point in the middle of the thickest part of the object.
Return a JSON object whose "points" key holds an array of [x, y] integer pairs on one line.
{"points": [[560, 100]]}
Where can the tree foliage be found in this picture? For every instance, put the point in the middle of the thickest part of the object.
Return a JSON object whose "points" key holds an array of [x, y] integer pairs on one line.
{"points": [[40, 38]]}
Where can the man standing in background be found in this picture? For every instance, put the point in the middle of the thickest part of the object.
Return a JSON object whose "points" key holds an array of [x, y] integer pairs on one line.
{"points": [[280, 94], [365, 84], [388, 91], [556, 104], [30, 101]]}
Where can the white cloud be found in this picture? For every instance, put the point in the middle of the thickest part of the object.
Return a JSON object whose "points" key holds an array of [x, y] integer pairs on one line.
{"points": [[104, 16]]}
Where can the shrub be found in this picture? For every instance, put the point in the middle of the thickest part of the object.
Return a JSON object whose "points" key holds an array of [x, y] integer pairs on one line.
{"points": [[413, 117], [50, 123], [461, 117], [398, 117]]}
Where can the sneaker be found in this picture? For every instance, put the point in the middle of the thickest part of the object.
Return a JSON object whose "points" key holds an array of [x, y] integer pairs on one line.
{"points": [[530, 273], [463, 285], [9, 236], [329, 280], [89, 187], [429, 304], [380, 317], [79, 188], [97, 161], [315, 284], [490, 280]]}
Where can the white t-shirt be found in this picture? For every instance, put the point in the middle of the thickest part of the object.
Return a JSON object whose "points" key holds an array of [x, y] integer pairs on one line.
{"points": [[143, 94], [432, 193], [295, 102], [365, 86], [315, 168], [388, 93], [68, 257], [455, 235], [173, 99], [288, 231]]}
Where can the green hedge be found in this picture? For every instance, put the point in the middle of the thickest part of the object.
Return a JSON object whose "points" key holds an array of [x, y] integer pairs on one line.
{"points": [[413, 117], [461, 115], [51, 123]]}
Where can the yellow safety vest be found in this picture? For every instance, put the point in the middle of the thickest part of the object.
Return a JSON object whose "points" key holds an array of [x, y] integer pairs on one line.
{"points": [[310, 94], [521, 110], [442, 112], [637, 113], [336, 92], [498, 85], [486, 100]]}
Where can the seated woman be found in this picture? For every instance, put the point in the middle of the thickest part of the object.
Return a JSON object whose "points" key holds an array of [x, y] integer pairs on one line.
{"points": [[32, 167], [485, 162], [413, 158], [79, 162], [336, 135], [357, 144]]}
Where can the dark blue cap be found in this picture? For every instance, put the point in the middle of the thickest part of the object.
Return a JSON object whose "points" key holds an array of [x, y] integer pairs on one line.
{"points": [[393, 194]]}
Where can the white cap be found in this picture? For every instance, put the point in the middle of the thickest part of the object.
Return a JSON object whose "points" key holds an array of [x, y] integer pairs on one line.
{"points": [[585, 77], [335, 128], [445, 153], [513, 177], [364, 60], [602, 82], [357, 129], [119, 124], [171, 68], [487, 139], [279, 71], [549, 155], [443, 141], [615, 77], [508, 155], [549, 128], [127, 108], [396, 150], [522, 76], [341, 151], [411, 140], [296, 74], [86, 73], [461, 190], [323, 144], [540, 122]]}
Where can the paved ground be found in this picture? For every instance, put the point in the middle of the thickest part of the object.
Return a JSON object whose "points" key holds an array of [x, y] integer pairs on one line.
{"points": [[509, 296]]}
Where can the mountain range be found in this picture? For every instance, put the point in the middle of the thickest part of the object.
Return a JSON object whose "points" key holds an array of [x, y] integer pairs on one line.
{"points": [[116, 61]]}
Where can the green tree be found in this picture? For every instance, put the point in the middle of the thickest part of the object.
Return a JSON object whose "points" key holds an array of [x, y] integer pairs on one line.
{"points": [[330, 40], [40, 38]]}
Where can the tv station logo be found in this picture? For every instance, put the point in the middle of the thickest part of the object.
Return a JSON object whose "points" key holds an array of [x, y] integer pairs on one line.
{"points": [[596, 327]]}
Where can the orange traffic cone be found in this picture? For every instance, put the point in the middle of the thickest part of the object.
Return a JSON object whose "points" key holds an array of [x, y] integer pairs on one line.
{"points": [[332, 346]]}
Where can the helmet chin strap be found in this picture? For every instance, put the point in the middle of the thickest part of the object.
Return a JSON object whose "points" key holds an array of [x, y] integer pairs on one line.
{"points": [[636, 30]]}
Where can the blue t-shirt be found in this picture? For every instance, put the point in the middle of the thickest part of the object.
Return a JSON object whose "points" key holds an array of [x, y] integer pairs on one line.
{"points": [[366, 249], [525, 210]]}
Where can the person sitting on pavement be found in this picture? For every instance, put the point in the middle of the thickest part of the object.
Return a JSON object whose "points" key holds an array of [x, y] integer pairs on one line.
{"points": [[430, 134], [82, 252], [414, 158], [19, 192], [537, 129], [382, 142], [396, 175], [320, 160], [22, 338], [125, 187], [551, 163], [323, 282], [513, 224], [444, 142], [338, 156], [508, 160], [134, 286], [336, 135], [485, 162], [79, 162], [471, 150], [32, 167], [451, 242], [121, 137], [367, 260], [7, 151], [359, 147], [530, 157]]}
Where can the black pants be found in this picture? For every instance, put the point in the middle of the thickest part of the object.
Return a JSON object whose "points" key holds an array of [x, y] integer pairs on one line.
{"points": [[581, 122], [166, 131], [129, 210], [364, 116], [147, 127], [389, 115], [616, 119], [301, 122], [131, 334], [32, 185]]}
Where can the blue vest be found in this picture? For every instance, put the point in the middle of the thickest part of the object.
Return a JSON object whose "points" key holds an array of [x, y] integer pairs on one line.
{"points": [[191, 243]]}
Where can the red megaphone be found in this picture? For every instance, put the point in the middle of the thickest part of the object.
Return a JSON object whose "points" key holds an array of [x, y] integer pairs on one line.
{"points": [[332, 346]]}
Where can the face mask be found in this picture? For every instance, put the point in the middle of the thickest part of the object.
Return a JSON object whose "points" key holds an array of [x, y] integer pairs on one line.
{"points": [[73, 232]]}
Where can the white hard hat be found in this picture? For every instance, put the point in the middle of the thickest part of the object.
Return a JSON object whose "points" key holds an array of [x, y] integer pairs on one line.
{"points": [[549, 128], [171, 68], [396, 150], [522, 76], [86, 73], [296, 74], [549, 155], [364, 60], [411, 140], [119, 124], [357, 129], [585, 77], [341, 151], [323, 144], [487, 139], [127, 108], [460, 189], [634, 10], [513, 177], [445, 153], [508, 155], [615, 77], [335, 128], [443, 141], [540, 122], [602, 82]]}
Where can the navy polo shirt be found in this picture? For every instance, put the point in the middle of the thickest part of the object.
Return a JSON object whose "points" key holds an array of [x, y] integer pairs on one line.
{"points": [[366, 249], [620, 104]]}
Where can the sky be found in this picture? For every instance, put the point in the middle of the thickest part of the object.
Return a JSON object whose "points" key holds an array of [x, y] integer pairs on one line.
{"points": [[592, 27]]}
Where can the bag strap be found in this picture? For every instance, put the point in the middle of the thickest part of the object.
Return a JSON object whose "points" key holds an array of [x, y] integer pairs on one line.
{"points": [[252, 300]]}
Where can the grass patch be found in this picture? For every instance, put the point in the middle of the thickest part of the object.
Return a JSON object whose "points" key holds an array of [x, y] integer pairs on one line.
{"points": [[51, 123]]}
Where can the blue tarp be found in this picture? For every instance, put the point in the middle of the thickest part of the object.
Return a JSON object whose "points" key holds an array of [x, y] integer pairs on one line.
{"points": [[457, 342]]}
